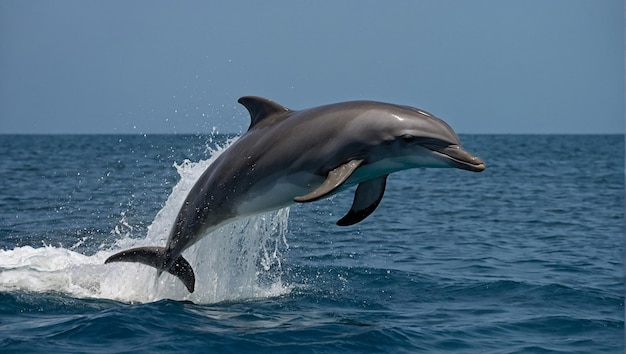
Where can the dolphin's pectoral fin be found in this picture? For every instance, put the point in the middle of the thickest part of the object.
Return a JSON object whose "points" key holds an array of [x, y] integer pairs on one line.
{"points": [[334, 180], [367, 197], [156, 257]]}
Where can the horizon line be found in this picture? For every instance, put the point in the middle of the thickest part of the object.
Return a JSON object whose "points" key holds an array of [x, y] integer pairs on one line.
{"points": [[241, 133]]}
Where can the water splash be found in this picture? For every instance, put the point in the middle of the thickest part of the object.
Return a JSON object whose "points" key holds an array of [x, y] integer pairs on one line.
{"points": [[238, 261]]}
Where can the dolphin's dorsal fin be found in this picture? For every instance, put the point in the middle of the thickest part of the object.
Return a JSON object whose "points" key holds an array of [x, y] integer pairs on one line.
{"points": [[367, 197], [261, 108], [334, 180]]}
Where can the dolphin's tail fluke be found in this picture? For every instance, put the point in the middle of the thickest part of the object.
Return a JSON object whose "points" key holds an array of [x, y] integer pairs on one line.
{"points": [[156, 257]]}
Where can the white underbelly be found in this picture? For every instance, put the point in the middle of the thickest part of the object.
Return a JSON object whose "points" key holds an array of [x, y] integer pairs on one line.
{"points": [[277, 193]]}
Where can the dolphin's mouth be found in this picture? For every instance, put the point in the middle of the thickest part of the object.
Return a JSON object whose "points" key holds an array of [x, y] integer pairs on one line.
{"points": [[458, 157]]}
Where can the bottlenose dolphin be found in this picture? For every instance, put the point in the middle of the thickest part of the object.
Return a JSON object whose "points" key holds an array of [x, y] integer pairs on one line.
{"points": [[303, 156]]}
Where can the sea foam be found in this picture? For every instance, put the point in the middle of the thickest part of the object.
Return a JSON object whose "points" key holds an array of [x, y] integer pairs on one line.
{"points": [[238, 261]]}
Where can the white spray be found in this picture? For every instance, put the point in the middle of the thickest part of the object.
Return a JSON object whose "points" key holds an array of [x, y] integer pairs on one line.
{"points": [[238, 261]]}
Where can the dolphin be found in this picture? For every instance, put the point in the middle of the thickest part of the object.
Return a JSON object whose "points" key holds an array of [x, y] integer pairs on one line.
{"points": [[302, 156]]}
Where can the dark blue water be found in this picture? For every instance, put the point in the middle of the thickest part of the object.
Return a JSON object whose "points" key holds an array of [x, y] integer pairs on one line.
{"points": [[524, 257]]}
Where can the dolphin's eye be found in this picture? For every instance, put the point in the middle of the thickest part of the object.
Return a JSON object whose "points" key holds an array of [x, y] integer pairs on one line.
{"points": [[408, 138]]}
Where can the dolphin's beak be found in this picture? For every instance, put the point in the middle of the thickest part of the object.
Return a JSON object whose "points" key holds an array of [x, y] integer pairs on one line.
{"points": [[457, 157]]}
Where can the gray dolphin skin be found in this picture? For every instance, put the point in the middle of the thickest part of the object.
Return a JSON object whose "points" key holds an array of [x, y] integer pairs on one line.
{"points": [[303, 156]]}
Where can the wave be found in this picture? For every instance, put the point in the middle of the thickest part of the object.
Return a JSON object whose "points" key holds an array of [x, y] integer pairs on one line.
{"points": [[238, 261]]}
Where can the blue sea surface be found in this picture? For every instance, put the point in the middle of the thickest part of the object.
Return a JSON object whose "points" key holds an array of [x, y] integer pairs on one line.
{"points": [[525, 257]]}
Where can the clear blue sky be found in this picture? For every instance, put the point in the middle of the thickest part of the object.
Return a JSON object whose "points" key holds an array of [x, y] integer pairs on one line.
{"points": [[135, 66]]}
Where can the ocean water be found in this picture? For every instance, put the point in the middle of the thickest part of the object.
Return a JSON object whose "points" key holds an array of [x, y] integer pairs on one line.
{"points": [[526, 257]]}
